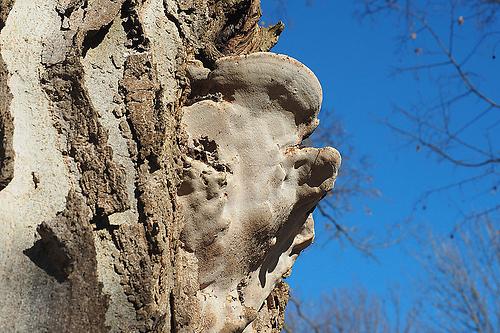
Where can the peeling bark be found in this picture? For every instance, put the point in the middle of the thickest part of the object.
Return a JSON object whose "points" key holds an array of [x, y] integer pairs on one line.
{"points": [[93, 159]]}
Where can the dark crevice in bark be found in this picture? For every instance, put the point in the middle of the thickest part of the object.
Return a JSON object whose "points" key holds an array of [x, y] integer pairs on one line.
{"points": [[144, 113], [233, 24], [94, 37], [133, 27], [173, 325], [206, 58], [36, 180], [65, 9], [6, 120], [102, 223], [175, 21]]}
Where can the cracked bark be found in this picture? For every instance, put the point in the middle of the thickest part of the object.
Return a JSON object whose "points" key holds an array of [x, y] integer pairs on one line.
{"points": [[91, 155]]}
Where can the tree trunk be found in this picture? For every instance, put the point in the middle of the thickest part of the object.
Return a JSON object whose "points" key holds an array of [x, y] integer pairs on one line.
{"points": [[120, 214]]}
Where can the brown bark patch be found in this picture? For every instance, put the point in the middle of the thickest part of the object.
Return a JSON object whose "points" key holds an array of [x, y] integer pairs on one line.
{"points": [[5, 7], [6, 129], [102, 180], [6, 120], [135, 268], [230, 28], [141, 91], [152, 125]]}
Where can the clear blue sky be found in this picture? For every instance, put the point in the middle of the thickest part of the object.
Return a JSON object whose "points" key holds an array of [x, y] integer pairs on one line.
{"points": [[353, 61]]}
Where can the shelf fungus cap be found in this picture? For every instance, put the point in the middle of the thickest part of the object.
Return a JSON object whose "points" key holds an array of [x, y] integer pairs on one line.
{"points": [[287, 83], [249, 188]]}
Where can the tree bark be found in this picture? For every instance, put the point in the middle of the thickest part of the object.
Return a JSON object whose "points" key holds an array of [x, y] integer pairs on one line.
{"points": [[92, 154]]}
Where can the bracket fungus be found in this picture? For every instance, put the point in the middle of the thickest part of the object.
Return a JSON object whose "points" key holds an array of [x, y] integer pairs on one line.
{"points": [[249, 187]]}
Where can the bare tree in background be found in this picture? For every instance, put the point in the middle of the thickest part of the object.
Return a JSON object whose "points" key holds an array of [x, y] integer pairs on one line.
{"points": [[352, 311], [463, 293], [459, 98]]}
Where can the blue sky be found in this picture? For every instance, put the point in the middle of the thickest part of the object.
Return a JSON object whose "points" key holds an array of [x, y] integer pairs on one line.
{"points": [[354, 61]]}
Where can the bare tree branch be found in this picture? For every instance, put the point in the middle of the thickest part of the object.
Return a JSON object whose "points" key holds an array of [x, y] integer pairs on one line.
{"points": [[440, 152]]}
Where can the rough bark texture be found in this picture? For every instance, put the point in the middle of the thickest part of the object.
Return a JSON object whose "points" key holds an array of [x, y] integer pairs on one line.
{"points": [[93, 152], [6, 124]]}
